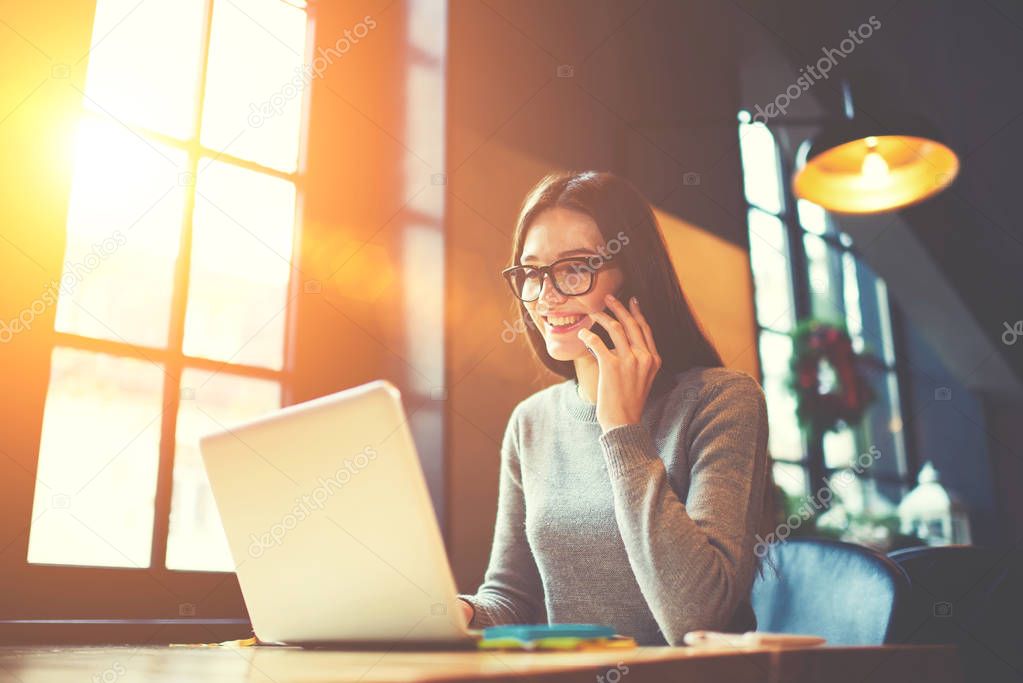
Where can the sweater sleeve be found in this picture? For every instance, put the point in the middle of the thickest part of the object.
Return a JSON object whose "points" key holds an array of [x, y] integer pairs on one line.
{"points": [[512, 592], [693, 559]]}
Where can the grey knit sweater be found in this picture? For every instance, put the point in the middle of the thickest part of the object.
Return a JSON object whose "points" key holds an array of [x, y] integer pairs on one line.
{"points": [[648, 528]]}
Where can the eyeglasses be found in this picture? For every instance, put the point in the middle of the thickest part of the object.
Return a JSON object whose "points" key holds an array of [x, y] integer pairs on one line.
{"points": [[571, 276]]}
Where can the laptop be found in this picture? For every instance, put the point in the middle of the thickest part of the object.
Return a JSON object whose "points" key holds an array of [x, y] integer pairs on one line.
{"points": [[331, 528]]}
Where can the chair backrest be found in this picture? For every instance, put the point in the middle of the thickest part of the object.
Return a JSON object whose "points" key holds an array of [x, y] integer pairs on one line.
{"points": [[971, 596], [843, 592]]}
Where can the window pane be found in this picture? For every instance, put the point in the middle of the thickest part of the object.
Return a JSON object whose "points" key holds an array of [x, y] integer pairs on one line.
{"points": [[824, 266], [875, 313], [144, 62], [760, 167], [210, 402], [883, 427], [851, 297], [241, 252], [839, 449], [848, 489], [791, 479], [256, 81], [771, 272], [124, 223], [812, 217], [785, 441], [98, 461]]}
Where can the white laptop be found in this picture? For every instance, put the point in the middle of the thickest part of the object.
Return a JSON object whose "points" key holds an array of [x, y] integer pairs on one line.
{"points": [[330, 524]]}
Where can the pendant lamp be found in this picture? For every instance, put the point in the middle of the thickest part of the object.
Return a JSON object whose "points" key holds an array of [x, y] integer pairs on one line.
{"points": [[857, 167]]}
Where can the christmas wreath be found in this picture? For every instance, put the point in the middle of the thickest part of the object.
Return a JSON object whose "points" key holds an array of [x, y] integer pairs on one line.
{"points": [[816, 343]]}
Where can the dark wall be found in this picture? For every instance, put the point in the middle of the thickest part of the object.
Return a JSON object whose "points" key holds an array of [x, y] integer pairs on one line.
{"points": [[949, 429], [645, 89]]}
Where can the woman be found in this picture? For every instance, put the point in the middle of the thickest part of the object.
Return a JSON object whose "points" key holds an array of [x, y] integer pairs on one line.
{"points": [[630, 494]]}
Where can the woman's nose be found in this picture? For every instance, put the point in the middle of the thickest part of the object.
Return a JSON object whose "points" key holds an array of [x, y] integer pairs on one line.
{"points": [[548, 293]]}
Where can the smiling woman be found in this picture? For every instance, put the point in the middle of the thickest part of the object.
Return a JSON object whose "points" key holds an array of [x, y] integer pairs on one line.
{"points": [[648, 466], [604, 218]]}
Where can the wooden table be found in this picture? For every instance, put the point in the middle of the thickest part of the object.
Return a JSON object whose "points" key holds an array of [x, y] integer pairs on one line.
{"points": [[127, 664]]}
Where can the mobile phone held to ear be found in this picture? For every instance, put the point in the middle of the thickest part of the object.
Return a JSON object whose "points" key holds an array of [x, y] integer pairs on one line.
{"points": [[604, 335], [622, 295]]}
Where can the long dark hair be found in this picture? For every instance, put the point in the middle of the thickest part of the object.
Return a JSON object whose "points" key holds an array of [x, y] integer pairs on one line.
{"points": [[616, 206]]}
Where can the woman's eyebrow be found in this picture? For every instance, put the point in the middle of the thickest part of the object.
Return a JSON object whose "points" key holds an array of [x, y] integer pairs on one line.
{"points": [[570, 252]]}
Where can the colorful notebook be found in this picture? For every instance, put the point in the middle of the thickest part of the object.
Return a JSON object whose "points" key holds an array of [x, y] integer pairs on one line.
{"points": [[553, 637]]}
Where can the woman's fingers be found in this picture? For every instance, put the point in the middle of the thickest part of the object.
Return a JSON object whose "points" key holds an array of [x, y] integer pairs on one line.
{"points": [[648, 333], [614, 328], [632, 329]]}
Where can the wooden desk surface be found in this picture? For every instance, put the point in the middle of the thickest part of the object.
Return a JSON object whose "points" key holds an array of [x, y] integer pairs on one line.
{"points": [[127, 664]]}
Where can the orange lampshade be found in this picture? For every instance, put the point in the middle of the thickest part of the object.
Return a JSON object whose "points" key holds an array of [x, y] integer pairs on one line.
{"points": [[875, 173]]}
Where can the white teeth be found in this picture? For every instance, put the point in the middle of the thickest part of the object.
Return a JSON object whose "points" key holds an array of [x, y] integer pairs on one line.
{"points": [[561, 322]]}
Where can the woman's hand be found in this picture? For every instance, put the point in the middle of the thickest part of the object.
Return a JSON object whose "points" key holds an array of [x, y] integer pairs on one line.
{"points": [[626, 373], [467, 611]]}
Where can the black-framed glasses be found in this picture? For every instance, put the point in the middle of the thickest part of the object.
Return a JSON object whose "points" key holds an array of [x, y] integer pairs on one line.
{"points": [[571, 276]]}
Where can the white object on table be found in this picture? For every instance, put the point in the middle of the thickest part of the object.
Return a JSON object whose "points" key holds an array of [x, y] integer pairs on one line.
{"points": [[750, 639]]}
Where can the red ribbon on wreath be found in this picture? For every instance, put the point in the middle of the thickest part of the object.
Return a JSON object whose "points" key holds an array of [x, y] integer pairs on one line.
{"points": [[815, 342]]}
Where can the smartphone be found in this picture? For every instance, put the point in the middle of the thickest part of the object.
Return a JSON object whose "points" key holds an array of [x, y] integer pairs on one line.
{"points": [[622, 294]]}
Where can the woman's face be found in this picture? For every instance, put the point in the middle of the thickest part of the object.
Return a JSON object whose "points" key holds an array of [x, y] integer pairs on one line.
{"points": [[556, 233]]}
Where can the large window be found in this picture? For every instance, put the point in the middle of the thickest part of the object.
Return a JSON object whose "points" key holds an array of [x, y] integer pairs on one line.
{"points": [[173, 302], [805, 267]]}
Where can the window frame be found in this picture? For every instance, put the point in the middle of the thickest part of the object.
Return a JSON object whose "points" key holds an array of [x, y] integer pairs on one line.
{"points": [[813, 460], [157, 592]]}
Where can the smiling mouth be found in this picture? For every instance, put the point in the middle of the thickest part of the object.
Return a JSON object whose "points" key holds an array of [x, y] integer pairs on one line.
{"points": [[563, 324]]}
